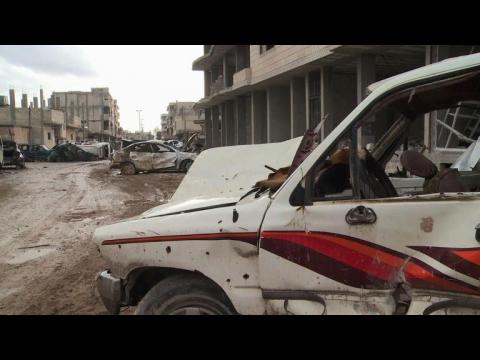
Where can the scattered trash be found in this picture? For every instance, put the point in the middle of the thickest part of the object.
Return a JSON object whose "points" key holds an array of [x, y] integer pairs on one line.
{"points": [[33, 246]]}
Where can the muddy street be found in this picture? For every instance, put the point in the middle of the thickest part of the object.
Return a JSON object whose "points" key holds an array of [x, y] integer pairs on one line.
{"points": [[48, 213]]}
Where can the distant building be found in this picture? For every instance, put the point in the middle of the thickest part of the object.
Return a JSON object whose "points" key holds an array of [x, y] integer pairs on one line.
{"points": [[182, 120], [164, 126], [35, 124], [97, 109], [138, 135]]}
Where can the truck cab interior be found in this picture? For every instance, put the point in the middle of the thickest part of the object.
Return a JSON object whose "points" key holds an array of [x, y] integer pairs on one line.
{"points": [[389, 149]]}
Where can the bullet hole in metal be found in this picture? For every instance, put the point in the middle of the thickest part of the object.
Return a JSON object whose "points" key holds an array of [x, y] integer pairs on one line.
{"points": [[168, 249], [219, 221], [119, 246], [246, 276], [235, 215], [228, 280], [208, 253]]}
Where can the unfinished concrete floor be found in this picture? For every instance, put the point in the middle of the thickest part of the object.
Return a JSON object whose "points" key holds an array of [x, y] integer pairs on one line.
{"points": [[48, 213]]}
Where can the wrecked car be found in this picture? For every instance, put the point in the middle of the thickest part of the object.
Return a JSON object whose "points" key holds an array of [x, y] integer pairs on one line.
{"points": [[11, 154], [69, 152], [321, 230], [152, 155], [102, 150], [35, 152]]}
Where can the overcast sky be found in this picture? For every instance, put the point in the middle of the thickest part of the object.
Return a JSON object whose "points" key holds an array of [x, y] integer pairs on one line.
{"points": [[139, 77]]}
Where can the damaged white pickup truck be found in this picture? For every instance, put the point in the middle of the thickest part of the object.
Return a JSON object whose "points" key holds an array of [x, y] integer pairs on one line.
{"points": [[329, 232]]}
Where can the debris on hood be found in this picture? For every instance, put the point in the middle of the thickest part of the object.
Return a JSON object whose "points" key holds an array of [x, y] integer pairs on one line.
{"points": [[278, 177], [234, 170]]}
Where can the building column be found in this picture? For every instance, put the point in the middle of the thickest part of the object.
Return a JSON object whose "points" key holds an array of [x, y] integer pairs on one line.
{"points": [[13, 118], [230, 122], [208, 128], [326, 101], [216, 134], [278, 113], [24, 101], [365, 77], [298, 113], [223, 124], [241, 124], [259, 117], [248, 119]]}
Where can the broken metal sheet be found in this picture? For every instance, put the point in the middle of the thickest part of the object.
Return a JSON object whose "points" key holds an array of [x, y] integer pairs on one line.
{"points": [[469, 159], [231, 170]]}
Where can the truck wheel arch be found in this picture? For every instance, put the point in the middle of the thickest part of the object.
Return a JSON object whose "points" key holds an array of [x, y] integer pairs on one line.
{"points": [[141, 280]]}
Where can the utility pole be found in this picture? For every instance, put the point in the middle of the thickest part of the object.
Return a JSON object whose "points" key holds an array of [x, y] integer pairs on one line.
{"points": [[140, 124]]}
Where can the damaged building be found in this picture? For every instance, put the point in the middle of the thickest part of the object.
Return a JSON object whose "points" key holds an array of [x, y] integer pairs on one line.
{"points": [[268, 93], [34, 123], [182, 120], [97, 109]]}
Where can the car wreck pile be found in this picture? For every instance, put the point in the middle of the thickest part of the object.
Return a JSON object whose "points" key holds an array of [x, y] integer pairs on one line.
{"points": [[69, 152]]}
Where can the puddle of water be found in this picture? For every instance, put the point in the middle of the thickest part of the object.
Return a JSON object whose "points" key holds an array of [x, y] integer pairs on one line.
{"points": [[29, 254]]}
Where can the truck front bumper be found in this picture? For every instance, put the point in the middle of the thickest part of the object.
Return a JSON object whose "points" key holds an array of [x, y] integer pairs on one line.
{"points": [[110, 290]]}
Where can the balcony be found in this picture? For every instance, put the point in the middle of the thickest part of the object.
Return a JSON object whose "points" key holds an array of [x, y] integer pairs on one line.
{"points": [[74, 122], [242, 77], [53, 117]]}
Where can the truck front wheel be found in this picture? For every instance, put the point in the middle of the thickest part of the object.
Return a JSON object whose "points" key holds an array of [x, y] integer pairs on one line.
{"points": [[184, 295]]}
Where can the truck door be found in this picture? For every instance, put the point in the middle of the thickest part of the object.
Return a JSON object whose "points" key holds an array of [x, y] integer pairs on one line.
{"points": [[352, 256], [163, 157], [337, 238]]}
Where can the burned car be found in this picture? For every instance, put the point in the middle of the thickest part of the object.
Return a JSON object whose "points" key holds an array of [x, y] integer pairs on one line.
{"points": [[322, 230], [11, 154], [35, 152], [152, 155], [70, 152]]}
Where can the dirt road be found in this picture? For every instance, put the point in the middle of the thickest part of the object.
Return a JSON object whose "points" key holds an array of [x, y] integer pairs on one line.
{"points": [[48, 213]]}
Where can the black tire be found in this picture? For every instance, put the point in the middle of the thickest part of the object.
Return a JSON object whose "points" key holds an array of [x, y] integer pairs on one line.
{"points": [[183, 295], [127, 169], [185, 165]]}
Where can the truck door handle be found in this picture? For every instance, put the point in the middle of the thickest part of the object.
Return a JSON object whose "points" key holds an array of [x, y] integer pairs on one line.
{"points": [[360, 215]]}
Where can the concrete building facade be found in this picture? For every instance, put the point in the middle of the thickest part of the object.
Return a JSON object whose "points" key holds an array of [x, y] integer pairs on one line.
{"points": [[97, 109], [164, 126], [35, 124], [268, 93], [182, 119]]}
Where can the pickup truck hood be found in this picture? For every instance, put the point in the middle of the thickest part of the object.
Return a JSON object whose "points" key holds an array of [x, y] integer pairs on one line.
{"points": [[231, 171], [221, 176]]}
